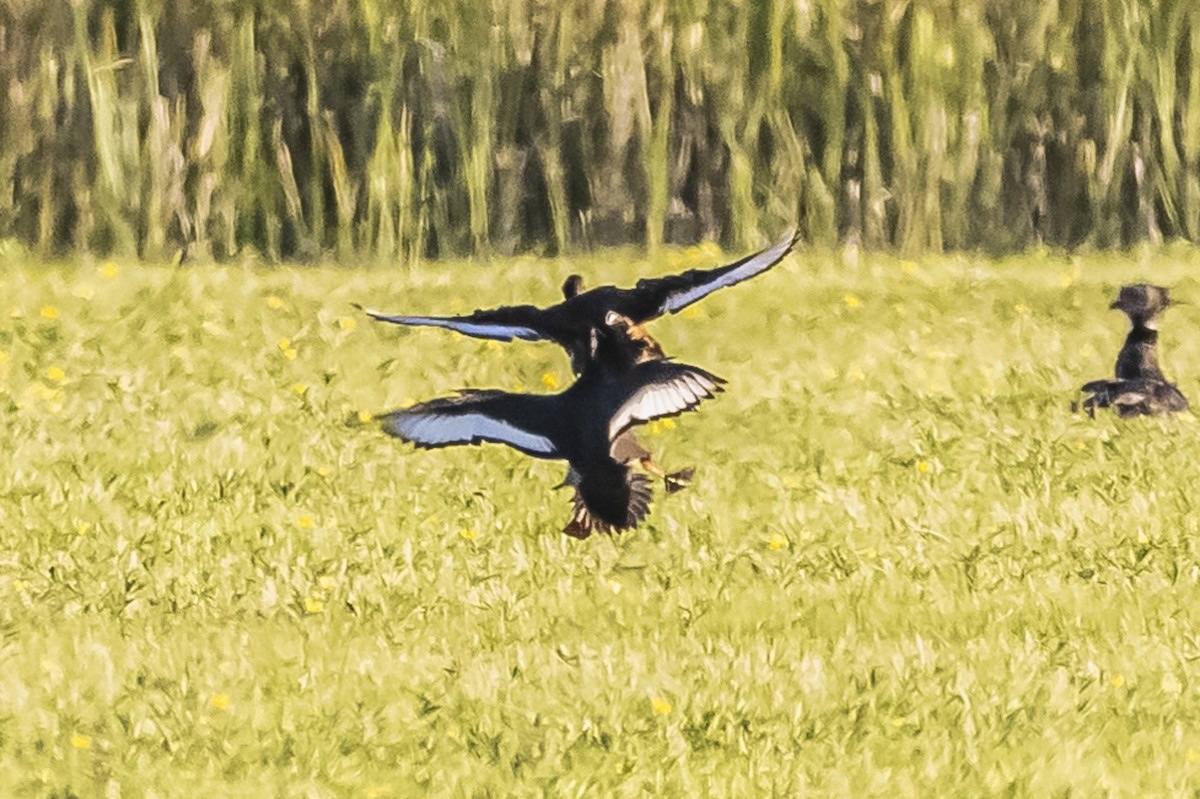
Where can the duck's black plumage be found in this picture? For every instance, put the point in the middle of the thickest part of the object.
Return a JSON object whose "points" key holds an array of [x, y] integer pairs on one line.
{"points": [[1140, 388], [583, 425], [1138, 358], [569, 322]]}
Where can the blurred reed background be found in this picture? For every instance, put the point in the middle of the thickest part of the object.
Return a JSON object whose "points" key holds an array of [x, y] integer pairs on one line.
{"points": [[214, 129]]}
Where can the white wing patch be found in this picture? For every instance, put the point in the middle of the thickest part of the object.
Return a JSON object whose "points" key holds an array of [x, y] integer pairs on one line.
{"points": [[439, 430], [754, 265], [676, 395], [478, 329]]}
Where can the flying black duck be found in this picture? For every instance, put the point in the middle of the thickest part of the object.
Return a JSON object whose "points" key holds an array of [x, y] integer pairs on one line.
{"points": [[625, 383], [570, 322], [1140, 388]]}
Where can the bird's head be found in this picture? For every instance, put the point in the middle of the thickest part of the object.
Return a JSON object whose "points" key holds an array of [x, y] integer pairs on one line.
{"points": [[572, 287], [1142, 302]]}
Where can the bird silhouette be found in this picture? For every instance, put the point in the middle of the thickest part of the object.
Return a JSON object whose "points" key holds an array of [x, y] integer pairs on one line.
{"points": [[570, 322], [1140, 388], [626, 382]]}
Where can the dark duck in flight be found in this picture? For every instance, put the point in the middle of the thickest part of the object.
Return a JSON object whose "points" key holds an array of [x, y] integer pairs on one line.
{"points": [[626, 381], [1140, 388], [570, 322]]}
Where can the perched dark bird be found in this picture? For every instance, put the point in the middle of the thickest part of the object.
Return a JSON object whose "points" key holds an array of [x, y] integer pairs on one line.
{"points": [[625, 383], [1140, 388], [570, 322]]}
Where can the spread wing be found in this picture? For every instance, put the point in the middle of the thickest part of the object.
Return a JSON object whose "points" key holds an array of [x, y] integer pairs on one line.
{"points": [[662, 388], [521, 421], [503, 324], [661, 295]]}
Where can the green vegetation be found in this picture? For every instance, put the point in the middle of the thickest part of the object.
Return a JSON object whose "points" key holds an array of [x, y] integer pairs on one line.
{"points": [[211, 128], [904, 569]]}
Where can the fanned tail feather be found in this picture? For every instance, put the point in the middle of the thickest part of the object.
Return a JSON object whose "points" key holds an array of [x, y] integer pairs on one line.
{"points": [[632, 504]]}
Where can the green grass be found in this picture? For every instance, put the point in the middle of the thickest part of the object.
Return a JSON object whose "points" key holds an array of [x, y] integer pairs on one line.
{"points": [[904, 568]]}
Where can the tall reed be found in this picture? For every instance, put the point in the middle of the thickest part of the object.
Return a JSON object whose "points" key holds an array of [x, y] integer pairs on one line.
{"points": [[203, 129]]}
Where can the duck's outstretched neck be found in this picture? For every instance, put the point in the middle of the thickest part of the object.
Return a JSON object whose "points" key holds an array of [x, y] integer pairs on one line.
{"points": [[1138, 359]]}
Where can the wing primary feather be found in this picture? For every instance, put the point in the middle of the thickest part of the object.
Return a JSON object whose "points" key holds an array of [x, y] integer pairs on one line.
{"points": [[491, 330], [728, 276]]}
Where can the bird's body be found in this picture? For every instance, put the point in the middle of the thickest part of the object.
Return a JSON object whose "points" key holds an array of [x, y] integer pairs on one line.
{"points": [[1138, 359], [569, 323], [1135, 397], [586, 425]]}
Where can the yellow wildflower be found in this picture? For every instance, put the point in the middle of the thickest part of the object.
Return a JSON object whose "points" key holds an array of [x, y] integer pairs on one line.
{"points": [[56, 374], [778, 541], [49, 312], [274, 303], [468, 534], [81, 741], [1193, 756], [923, 466], [364, 417], [909, 267], [550, 380], [660, 706], [3, 357], [347, 323], [109, 270], [667, 423], [1021, 308], [852, 301], [305, 522], [83, 528], [898, 721], [1117, 682], [285, 346], [313, 605], [221, 701], [300, 389]]}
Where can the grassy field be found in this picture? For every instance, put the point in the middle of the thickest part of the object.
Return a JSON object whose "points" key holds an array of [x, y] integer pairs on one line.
{"points": [[904, 568]]}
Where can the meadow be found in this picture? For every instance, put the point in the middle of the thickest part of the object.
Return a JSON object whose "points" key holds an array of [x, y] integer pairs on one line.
{"points": [[905, 568]]}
